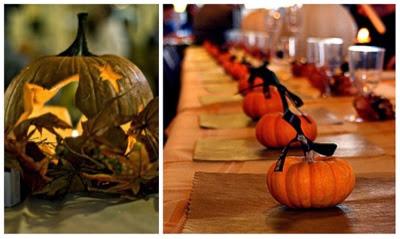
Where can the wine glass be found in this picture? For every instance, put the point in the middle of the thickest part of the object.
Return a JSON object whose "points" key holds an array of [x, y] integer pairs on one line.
{"points": [[273, 24], [365, 66], [327, 55], [313, 50], [293, 19], [331, 54]]}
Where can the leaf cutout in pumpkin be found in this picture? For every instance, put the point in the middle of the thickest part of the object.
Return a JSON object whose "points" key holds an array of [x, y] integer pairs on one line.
{"points": [[35, 97], [144, 128], [48, 121], [108, 74]]}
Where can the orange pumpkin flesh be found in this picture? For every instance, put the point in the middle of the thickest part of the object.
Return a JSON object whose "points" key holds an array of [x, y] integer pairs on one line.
{"points": [[273, 131], [255, 104], [324, 182]]}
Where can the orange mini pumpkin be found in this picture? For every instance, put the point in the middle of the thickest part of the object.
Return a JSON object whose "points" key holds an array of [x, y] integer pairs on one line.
{"points": [[273, 131], [319, 183], [255, 104], [223, 57], [244, 86], [239, 70], [227, 65]]}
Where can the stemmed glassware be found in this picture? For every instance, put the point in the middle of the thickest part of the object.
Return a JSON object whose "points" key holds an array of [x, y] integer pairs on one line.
{"points": [[273, 24]]}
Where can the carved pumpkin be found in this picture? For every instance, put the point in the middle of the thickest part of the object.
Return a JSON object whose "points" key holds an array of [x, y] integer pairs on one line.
{"points": [[116, 148], [100, 79], [273, 131], [256, 104], [319, 183]]}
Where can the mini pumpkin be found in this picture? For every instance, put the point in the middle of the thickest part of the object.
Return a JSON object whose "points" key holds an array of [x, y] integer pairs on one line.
{"points": [[319, 183], [256, 103], [238, 70], [273, 131], [223, 57]]}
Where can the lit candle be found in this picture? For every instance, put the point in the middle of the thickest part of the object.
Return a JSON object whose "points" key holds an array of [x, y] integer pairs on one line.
{"points": [[363, 36]]}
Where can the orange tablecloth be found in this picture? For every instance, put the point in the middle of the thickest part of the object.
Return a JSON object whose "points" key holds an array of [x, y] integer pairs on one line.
{"points": [[184, 131]]}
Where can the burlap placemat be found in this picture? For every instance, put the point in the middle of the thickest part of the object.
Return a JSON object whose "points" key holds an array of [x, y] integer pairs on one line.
{"points": [[241, 203], [239, 120], [214, 99], [215, 78], [211, 149], [225, 121], [225, 87]]}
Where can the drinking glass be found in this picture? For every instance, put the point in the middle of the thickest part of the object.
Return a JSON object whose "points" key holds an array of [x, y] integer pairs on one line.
{"points": [[264, 43], [313, 50], [273, 24], [293, 18], [365, 66], [331, 54]]}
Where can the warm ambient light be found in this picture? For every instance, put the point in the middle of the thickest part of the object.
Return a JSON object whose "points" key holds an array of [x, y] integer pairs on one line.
{"points": [[363, 36], [179, 8], [276, 15], [74, 133]]}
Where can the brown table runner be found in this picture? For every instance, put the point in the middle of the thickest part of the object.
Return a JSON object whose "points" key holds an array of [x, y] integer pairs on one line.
{"points": [[240, 203], [211, 149]]}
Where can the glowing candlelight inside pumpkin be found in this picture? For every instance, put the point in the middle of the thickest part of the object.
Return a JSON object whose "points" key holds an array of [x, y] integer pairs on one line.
{"points": [[74, 133], [363, 36]]}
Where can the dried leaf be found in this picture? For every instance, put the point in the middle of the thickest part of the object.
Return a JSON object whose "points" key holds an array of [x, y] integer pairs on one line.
{"points": [[115, 138], [144, 127], [56, 188], [47, 121], [105, 119]]}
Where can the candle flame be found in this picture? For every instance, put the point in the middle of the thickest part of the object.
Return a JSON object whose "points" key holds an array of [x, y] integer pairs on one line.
{"points": [[363, 36], [276, 15], [74, 133]]}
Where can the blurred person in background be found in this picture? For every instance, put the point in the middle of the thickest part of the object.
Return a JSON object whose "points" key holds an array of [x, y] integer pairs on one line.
{"points": [[191, 11], [212, 21], [169, 21]]}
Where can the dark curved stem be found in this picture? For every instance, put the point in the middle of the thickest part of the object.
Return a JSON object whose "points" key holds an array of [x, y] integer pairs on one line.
{"points": [[79, 46]]}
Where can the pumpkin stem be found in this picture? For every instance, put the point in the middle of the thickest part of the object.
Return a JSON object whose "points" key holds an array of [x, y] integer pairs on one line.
{"points": [[309, 156], [79, 46]]}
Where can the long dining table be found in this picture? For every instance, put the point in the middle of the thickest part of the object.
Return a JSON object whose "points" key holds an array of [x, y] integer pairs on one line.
{"points": [[184, 131]]}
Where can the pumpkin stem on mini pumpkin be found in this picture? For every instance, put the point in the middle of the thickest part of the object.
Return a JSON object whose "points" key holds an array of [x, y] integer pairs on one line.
{"points": [[79, 46], [309, 156]]}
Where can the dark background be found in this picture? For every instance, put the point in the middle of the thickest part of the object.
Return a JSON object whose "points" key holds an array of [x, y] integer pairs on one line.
{"points": [[130, 31]]}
